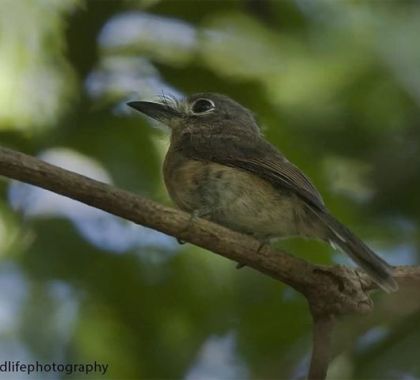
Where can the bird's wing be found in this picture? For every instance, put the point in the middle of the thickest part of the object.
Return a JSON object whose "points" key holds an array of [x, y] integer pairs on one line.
{"points": [[255, 155]]}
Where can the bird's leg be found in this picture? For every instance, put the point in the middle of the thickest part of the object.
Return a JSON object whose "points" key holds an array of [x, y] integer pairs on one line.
{"points": [[199, 213], [259, 249]]}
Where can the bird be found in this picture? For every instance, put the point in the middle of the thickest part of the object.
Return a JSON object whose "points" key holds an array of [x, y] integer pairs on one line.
{"points": [[220, 167]]}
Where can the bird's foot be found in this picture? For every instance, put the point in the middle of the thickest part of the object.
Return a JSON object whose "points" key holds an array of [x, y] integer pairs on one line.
{"points": [[260, 247], [193, 217]]}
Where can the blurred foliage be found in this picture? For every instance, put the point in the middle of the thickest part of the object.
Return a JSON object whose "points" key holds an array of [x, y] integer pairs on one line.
{"points": [[334, 84]]}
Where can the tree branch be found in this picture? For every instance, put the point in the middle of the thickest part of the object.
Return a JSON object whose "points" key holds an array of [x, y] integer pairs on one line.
{"points": [[321, 343], [331, 291]]}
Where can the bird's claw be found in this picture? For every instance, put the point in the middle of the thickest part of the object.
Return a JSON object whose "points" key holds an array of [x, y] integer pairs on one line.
{"points": [[260, 247], [193, 216]]}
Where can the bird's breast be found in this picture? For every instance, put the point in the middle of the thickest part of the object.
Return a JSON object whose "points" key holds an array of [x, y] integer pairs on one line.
{"points": [[232, 197]]}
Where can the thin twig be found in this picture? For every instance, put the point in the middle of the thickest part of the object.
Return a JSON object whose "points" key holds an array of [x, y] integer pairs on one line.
{"points": [[321, 346]]}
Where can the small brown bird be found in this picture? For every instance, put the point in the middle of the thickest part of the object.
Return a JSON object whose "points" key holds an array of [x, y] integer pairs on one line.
{"points": [[220, 167]]}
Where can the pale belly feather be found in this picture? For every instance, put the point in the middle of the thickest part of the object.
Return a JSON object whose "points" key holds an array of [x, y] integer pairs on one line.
{"points": [[236, 199]]}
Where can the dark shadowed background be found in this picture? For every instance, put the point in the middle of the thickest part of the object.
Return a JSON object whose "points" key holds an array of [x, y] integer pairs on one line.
{"points": [[335, 85]]}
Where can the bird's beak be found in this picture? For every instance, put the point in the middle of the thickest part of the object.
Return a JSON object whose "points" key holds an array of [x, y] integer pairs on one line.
{"points": [[157, 111]]}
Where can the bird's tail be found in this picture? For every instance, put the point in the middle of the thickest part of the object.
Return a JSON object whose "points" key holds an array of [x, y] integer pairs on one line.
{"points": [[378, 269]]}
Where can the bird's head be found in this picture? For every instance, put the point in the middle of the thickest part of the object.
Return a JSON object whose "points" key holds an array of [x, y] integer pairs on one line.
{"points": [[211, 110]]}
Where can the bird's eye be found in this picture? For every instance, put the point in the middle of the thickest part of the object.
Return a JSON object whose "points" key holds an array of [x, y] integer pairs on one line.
{"points": [[202, 106]]}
